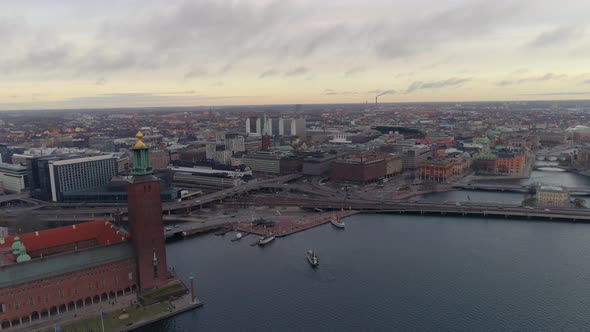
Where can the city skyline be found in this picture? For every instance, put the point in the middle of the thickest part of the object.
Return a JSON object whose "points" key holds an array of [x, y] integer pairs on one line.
{"points": [[138, 53]]}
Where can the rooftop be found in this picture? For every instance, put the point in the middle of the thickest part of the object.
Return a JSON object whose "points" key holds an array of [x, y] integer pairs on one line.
{"points": [[64, 239], [552, 188], [12, 167]]}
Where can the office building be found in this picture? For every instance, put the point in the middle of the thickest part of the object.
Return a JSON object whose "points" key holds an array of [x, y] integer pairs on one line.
{"points": [[79, 174], [14, 178]]}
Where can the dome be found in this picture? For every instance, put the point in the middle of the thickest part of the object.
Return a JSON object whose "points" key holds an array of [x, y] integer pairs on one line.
{"points": [[23, 258], [17, 246]]}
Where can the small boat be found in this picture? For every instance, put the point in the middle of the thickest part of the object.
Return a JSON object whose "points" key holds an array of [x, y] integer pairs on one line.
{"points": [[337, 222], [265, 240], [312, 258]]}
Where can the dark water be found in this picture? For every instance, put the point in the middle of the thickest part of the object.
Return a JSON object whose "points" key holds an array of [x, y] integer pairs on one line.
{"points": [[393, 273]]}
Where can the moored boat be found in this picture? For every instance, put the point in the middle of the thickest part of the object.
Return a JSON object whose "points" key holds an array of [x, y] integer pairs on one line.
{"points": [[312, 258], [337, 222], [265, 240]]}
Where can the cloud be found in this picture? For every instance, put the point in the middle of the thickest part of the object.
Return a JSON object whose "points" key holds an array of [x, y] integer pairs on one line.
{"points": [[428, 32], [386, 92], [541, 78], [453, 81], [330, 92], [297, 71], [558, 36], [269, 73], [549, 94], [132, 99], [586, 82], [196, 72], [354, 71], [100, 81]]}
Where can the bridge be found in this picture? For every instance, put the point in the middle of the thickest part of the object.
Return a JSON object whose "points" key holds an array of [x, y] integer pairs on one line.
{"points": [[90, 210], [430, 207], [515, 188], [324, 199]]}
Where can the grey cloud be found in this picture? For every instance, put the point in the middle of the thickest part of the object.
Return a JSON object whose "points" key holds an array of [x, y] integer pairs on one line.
{"points": [[330, 92], [196, 72], [354, 71], [135, 99], [557, 36], [386, 92], [545, 77], [297, 71], [43, 57], [269, 73], [419, 85], [423, 34], [549, 94]]}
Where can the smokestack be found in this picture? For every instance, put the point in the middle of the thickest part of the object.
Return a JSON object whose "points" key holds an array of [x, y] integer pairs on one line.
{"points": [[376, 97]]}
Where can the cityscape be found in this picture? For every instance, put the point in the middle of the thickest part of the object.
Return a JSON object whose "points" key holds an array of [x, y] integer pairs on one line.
{"points": [[422, 208]]}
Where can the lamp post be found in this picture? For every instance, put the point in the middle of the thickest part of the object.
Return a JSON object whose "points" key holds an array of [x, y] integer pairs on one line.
{"points": [[191, 278]]}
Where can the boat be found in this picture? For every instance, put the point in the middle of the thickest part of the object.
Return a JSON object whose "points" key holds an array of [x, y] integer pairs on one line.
{"points": [[265, 240], [312, 258], [337, 222]]}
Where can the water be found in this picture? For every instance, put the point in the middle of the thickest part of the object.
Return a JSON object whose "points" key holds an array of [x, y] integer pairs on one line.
{"points": [[551, 177], [393, 272], [558, 178]]}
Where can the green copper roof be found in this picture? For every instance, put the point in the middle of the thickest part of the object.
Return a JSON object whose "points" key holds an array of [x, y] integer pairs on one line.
{"points": [[54, 265], [141, 157]]}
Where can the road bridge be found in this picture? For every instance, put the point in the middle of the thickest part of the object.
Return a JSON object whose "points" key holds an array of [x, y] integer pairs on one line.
{"points": [[514, 188]]}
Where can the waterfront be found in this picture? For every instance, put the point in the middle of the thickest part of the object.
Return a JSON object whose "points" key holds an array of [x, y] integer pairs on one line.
{"points": [[393, 272], [556, 178]]}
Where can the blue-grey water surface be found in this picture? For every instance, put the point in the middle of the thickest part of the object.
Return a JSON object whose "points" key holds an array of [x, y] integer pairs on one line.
{"points": [[393, 273]]}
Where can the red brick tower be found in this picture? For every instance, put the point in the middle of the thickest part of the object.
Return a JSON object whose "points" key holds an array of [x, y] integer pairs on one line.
{"points": [[145, 219]]}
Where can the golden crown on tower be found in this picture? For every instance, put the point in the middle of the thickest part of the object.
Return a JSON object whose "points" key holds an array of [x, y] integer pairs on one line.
{"points": [[139, 144]]}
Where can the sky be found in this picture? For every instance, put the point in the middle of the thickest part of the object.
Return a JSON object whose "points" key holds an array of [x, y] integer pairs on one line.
{"points": [[117, 53]]}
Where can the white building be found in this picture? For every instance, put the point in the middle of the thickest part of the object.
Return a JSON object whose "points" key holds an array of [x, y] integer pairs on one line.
{"points": [[13, 177], [553, 196], [75, 175]]}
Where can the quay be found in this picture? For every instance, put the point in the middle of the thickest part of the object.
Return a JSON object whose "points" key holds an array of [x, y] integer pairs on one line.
{"points": [[293, 224]]}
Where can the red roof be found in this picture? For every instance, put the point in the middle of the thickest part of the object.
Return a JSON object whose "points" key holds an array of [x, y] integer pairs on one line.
{"points": [[101, 231]]}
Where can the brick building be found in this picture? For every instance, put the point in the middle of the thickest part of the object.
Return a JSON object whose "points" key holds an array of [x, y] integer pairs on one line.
{"points": [[442, 169], [363, 167], [47, 273], [510, 163]]}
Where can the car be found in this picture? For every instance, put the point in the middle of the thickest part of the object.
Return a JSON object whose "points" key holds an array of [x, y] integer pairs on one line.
{"points": [[168, 229], [547, 210], [176, 226]]}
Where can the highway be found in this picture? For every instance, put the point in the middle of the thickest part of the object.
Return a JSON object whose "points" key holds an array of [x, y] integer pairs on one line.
{"points": [[315, 196]]}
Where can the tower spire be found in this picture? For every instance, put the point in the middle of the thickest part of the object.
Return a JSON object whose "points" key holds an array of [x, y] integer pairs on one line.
{"points": [[141, 157]]}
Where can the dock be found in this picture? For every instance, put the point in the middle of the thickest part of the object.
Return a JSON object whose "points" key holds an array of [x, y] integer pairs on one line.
{"points": [[239, 238], [294, 224]]}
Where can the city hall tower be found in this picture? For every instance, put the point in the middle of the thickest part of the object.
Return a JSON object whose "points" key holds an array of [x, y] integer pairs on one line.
{"points": [[145, 219]]}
